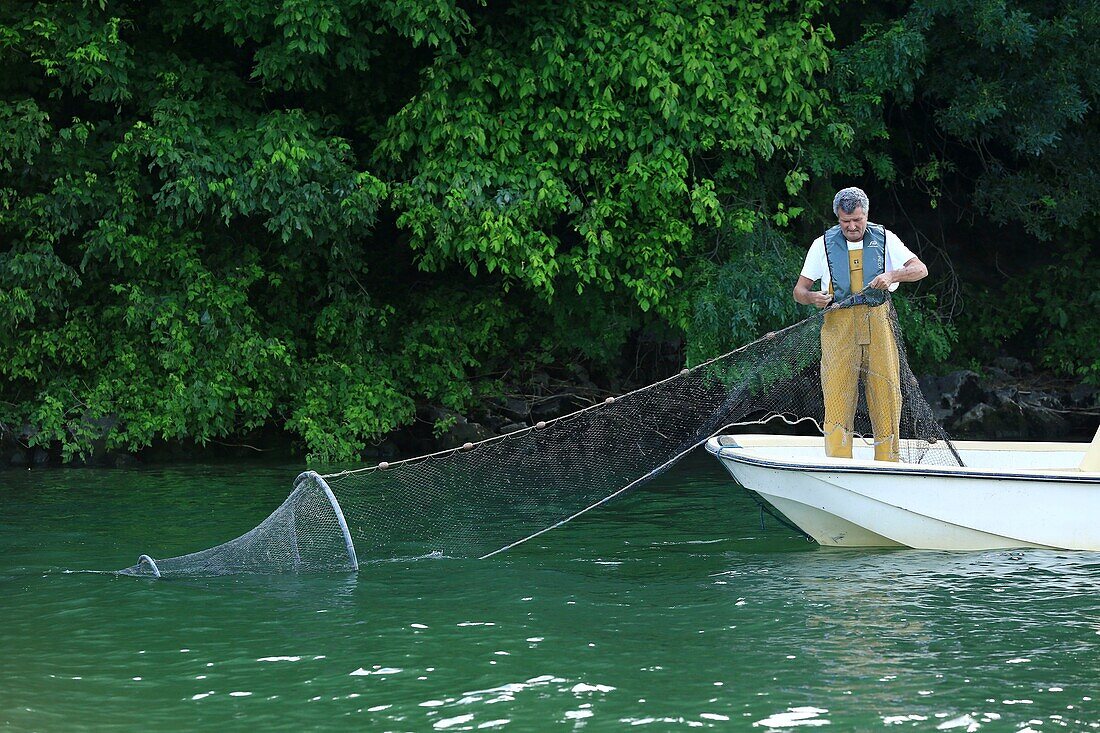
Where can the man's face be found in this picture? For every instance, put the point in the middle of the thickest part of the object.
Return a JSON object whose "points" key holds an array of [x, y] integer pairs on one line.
{"points": [[853, 225]]}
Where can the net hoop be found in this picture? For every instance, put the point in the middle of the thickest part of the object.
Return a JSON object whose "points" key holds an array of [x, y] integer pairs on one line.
{"points": [[340, 520], [150, 563]]}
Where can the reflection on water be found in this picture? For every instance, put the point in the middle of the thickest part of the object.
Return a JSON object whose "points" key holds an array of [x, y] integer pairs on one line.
{"points": [[668, 609], [792, 717]]}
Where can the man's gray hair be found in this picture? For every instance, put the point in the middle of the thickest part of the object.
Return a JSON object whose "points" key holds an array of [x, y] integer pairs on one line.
{"points": [[848, 199]]}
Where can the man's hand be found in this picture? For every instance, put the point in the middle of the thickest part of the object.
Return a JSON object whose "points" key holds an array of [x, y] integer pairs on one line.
{"points": [[912, 271], [805, 296], [882, 282]]}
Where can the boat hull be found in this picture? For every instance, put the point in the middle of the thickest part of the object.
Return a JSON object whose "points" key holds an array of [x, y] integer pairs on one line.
{"points": [[863, 503]]}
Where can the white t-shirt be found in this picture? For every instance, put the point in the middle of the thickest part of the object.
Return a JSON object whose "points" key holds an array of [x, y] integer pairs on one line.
{"points": [[816, 266]]}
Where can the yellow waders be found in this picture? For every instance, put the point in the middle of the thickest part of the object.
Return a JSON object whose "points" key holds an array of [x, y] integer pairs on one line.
{"points": [[859, 342]]}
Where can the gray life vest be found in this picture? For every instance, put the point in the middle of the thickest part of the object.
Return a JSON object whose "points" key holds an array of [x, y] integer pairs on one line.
{"points": [[874, 264]]}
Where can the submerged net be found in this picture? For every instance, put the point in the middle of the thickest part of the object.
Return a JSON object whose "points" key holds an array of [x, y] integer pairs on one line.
{"points": [[486, 497]]}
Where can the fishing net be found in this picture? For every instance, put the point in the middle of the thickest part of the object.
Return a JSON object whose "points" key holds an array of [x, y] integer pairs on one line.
{"points": [[485, 497]]}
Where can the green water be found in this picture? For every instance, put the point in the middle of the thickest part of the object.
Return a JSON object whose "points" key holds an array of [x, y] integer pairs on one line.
{"points": [[666, 610]]}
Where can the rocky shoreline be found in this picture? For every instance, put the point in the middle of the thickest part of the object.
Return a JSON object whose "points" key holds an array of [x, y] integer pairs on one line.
{"points": [[1008, 400]]}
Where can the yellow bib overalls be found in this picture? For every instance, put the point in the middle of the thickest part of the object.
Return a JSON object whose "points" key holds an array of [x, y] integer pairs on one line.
{"points": [[858, 342]]}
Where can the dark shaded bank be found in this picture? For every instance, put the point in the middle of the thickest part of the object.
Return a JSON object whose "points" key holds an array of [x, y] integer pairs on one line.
{"points": [[1008, 400]]}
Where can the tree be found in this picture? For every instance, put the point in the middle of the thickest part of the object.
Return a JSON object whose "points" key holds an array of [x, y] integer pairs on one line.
{"points": [[199, 199]]}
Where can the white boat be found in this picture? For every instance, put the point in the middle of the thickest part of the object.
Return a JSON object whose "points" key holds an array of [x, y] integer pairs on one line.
{"points": [[1007, 495]]}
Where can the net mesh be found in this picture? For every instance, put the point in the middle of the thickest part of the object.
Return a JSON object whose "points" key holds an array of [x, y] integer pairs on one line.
{"points": [[485, 497]]}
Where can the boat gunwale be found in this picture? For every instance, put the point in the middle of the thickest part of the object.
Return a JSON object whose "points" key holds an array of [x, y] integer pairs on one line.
{"points": [[761, 440], [847, 465]]}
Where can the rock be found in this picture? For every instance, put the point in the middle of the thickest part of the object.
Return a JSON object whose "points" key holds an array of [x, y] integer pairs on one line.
{"points": [[466, 432], [1044, 424], [1011, 364], [989, 422], [555, 406], [1002, 396], [461, 430], [1085, 395], [513, 408], [121, 460], [581, 377], [953, 394], [994, 407]]}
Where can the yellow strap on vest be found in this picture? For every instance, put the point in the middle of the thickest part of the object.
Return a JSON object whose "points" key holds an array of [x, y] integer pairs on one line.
{"points": [[855, 269]]}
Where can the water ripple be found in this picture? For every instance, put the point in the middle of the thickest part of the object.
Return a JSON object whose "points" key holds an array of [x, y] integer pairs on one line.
{"points": [[669, 608]]}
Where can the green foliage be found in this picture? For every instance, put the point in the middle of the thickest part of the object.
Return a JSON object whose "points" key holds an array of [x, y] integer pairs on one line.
{"points": [[929, 338], [172, 242], [569, 145], [1047, 312], [743, 293], [189, 191], [999, 91], [325, 215]]}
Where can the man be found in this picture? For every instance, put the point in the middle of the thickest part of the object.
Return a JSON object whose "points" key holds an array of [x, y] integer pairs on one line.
{"points": [[857, 262]]}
